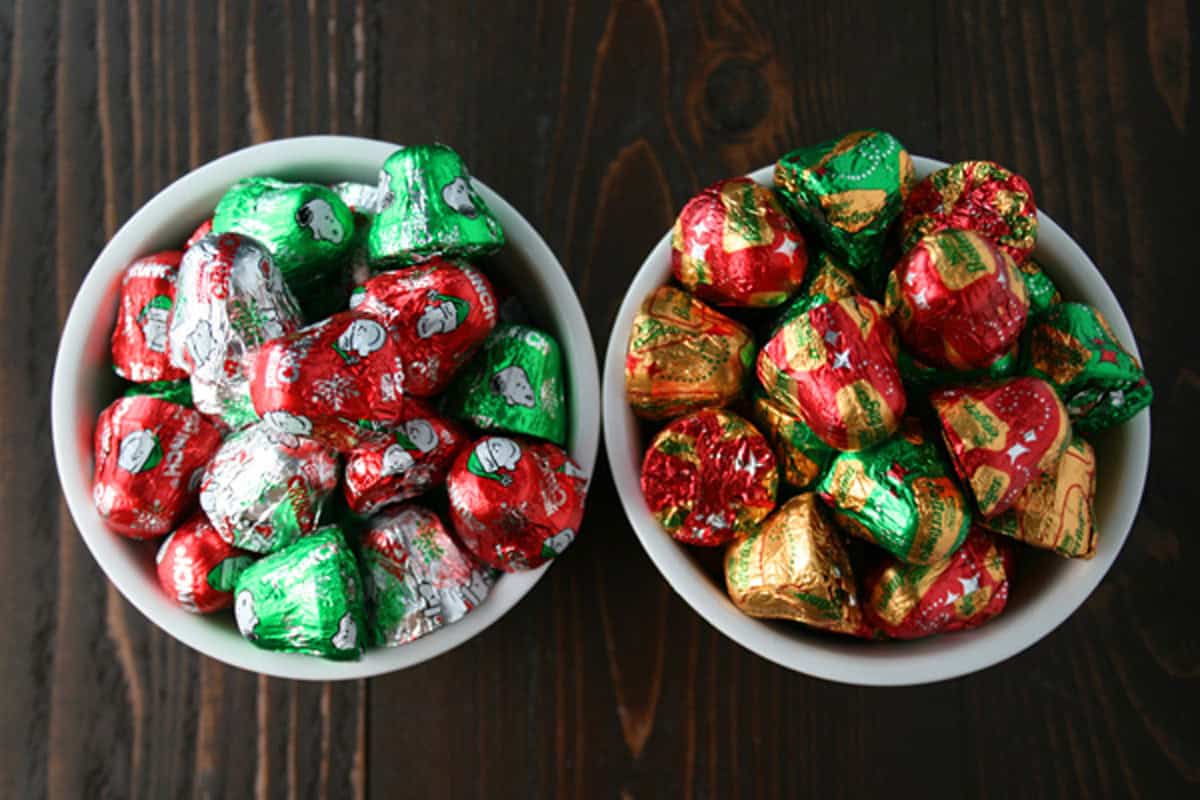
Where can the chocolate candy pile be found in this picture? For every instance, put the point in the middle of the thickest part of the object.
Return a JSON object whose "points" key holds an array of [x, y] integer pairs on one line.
{"points": [[920, 386], [313, 337]]}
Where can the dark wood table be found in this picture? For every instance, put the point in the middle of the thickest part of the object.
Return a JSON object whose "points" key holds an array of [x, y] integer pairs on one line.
{"points": [[597, 120]]}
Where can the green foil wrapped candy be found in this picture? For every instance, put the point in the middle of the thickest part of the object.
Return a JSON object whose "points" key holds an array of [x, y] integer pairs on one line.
{"points": [[899, 495], [1039, 288], [802, 457], [924, 378], [428, 207], [849, 191], [1101, 384], [514, 384], [305, 598], [178, 392], [305, 226], [826, 281]]}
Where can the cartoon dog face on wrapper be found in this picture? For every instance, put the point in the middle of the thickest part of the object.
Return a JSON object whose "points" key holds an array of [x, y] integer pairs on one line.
{"points": [[442, 314], [396, 461], [346, 637], [285, 428], [243, 611], [457, 194], [201, 343], [139, 451], [421, 435], [154, 320], [512, 383], [495, 459], [317, 216], [557, 543], [361, 338]]}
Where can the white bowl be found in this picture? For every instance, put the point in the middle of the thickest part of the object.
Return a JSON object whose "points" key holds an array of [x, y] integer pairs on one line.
{"points": [[1047, 589], [84, 385]]}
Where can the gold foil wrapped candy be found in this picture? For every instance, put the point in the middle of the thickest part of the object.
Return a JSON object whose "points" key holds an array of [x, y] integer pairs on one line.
{"points": [[794, 567], [684, 356]]}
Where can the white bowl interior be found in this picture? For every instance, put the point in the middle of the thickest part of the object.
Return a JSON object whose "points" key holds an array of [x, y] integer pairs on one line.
{"points": [[84, 384], [1047, 589]]}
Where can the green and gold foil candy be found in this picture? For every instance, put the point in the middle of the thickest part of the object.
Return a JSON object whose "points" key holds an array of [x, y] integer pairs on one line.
{"points": [[899, 495], [924, 378], [794, 567], [305, 598], [825, 282], [1071, 346], [514, 384], [802, 457], [1055, 511], [305, 226], [428, 206], [1041, 290], [849, 191], [684, 356]]}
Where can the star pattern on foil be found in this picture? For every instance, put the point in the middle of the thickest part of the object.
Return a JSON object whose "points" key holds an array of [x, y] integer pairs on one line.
{"points": [[698, 252], [788, 247]]}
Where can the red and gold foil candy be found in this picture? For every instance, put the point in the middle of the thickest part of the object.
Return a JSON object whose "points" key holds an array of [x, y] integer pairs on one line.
{"points": [[794, 567], [979, 196], [835, 367], [709, 477], [516, 503], [684, 356], [149, 457], [801, 456], [734, 246], [140, 347], [911, 601], [1055, 511], [197, 568], [958, 301], [1001, 436]]}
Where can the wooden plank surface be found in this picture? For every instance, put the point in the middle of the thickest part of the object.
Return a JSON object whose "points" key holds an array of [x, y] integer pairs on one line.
{"points": [[597, 120]]}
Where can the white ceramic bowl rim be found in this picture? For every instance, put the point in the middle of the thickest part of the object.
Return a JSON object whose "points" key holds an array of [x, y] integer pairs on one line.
{"points": [[168, 217], [897, 663]]}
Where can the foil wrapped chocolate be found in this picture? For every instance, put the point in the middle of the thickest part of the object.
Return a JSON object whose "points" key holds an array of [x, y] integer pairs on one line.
{"points": [[178, 392], [795, 567], [416, 576], [514, 385], [732, 245], [957, 300], [1055, 511], [912, 601], [326, 380], [1001, 436], [849, 191], [979, 196], [826, 281], [516, 503], [899, 495], [1041, 290], [305, 226], [198, 569], [1102, 384], [834, 366], [709, 477], [264, 489], [800, 455], [402, 462], [139, 340], [149, 456], [684, 356], [305, 598], [442, 311], [230, 299], [428, 206]]}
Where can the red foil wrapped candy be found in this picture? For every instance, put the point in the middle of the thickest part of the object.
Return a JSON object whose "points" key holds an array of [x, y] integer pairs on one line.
{"points": [[515, 503], [197, 568], [441, 310], [150, 456], [140, 351], [911, 601], [709, 477], [958, 301], [734, 246], [1001, 436], [834, 365]]}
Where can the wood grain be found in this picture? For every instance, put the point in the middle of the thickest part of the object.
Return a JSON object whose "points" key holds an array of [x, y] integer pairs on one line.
{"points": [[597, 120]]}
